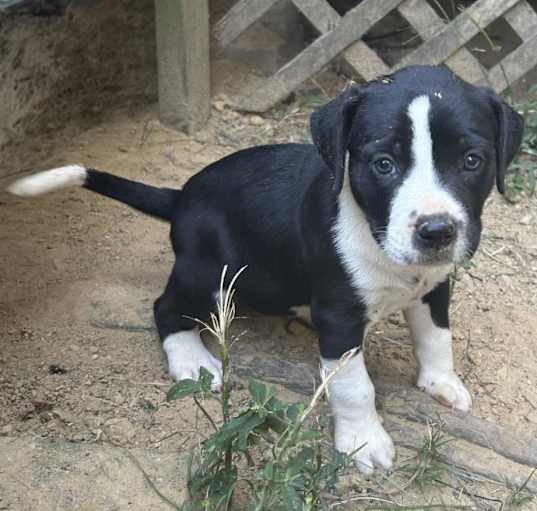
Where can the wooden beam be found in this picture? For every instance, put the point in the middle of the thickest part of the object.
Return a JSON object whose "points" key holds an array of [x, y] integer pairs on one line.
{"points": [[515, 66], [465, 26], [311, 60], [182, 28], [427, 24], [238, 19], [359, 57]]}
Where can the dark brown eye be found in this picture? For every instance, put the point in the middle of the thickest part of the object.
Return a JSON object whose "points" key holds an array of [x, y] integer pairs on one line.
{"points": [[472, 161], [384, 165]]}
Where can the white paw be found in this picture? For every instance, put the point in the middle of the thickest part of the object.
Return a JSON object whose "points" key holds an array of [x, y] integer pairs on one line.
{"points": [[375, 446], [447, 388], [186, 354]]}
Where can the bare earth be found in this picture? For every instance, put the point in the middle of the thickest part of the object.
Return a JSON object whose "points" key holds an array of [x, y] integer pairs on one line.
{"points": [[81, 370], [80, 273]]}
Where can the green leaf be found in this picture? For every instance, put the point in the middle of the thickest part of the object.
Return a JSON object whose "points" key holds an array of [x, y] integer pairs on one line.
{"points": [[205, 380], [275, 405], [260, 393], [306, 436], [294, 411], [247, 429], [183, 389], [222, 438], [268, 471], [188, 387], [291, 498]]}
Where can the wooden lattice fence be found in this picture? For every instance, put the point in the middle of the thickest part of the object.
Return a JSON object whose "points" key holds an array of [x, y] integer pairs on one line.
{"points": [[443, 42]]}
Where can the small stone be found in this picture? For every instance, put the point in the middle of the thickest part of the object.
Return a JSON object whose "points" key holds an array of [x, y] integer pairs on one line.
{"points": [[117, 399], [221, 102], [525, 220], [78, 437], [256, 120], [6, 430], [219, 105], [120, 430], [56, 369], [532, 416]]}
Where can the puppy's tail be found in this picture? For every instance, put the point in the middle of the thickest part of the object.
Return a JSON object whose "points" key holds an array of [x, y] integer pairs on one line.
{"points": [[157, 202]]}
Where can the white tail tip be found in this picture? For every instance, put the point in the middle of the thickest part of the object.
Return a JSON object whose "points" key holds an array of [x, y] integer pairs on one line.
{"points": [[44, 182]]}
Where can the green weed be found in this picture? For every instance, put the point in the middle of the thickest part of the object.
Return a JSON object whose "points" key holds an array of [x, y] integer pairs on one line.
{"points": [[269, 450], [522, 174]]}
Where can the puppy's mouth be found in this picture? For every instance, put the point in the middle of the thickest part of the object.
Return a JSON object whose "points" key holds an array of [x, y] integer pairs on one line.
{"points": [[433, 258], [429, 258]]}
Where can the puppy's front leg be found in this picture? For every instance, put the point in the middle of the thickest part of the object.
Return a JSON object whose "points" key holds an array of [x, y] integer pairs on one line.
{"points": [[429, 326], [358, 427]]}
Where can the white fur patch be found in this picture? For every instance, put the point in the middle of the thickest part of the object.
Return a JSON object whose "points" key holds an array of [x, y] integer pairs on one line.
{"points": [[186, 354], [357, 424], [433, 349], [383, 285], [44, 182], [421, 194]]}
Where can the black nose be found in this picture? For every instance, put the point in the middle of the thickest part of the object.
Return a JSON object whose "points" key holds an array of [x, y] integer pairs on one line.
{"points": [[435, 231]]}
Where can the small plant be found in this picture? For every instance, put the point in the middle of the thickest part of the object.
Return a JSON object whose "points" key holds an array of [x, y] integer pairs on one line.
{"points": [[270, 451], [522, 174], [519, 495], [427, 467]]}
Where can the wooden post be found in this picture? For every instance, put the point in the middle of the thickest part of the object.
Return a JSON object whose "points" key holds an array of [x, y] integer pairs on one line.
{"points": [[183, 63]]}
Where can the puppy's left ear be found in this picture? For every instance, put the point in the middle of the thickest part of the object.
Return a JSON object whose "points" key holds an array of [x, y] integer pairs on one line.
{"points": [[510, 130], [331, 129]]}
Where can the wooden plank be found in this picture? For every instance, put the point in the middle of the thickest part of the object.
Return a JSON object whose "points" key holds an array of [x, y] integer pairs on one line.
{"points": [[422, 17], [365, 61], [320, 14], [515, 65], [182, 28], [427, 23], [312, 59], [464, 64], [360, 57], [523, 19], [465, 26], [243, 14], [518, 447]]}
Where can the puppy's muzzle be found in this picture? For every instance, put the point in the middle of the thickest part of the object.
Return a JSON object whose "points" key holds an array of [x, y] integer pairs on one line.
{"points": [[435, 232]]}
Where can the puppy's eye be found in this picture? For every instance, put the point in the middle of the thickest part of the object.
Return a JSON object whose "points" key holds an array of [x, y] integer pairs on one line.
{"points": [[472, 161], [384, 165]]}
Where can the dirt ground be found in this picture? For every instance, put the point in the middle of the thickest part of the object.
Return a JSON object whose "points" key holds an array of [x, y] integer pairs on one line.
{"points": [[79, 360], [75, 267]]}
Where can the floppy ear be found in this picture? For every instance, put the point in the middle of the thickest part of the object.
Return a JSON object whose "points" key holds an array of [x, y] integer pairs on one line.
{"points": [[330, 130], [510, 130]]}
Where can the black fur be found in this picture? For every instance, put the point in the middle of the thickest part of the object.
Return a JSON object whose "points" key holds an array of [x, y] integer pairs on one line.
{"points": [[438, 301], [157, 202], [273, 208]]}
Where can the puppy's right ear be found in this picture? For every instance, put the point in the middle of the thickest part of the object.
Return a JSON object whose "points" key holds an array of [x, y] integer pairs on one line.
{"points": [[331, 128]]}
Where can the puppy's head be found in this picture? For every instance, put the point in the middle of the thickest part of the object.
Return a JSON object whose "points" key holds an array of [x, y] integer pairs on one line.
{"points": [[420, 151]]}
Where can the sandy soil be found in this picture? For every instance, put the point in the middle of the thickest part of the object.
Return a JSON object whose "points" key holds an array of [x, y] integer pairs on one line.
{"points": [[79, 272], [77, 266], [72, 261]]}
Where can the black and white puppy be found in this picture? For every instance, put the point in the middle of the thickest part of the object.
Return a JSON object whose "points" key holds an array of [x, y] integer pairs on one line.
{"points": [[367, 221]]}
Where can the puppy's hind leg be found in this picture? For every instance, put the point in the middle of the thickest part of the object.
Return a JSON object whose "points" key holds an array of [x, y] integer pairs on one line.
{"points": [[180, 336]]}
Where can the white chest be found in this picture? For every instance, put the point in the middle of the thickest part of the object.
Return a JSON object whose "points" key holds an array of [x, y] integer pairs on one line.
{"points": [[384, 292], [383, 285]]}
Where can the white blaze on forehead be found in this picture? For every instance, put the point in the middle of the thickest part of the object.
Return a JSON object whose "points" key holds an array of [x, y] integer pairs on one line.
{"points": [[422, 192], [422, 142]]}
